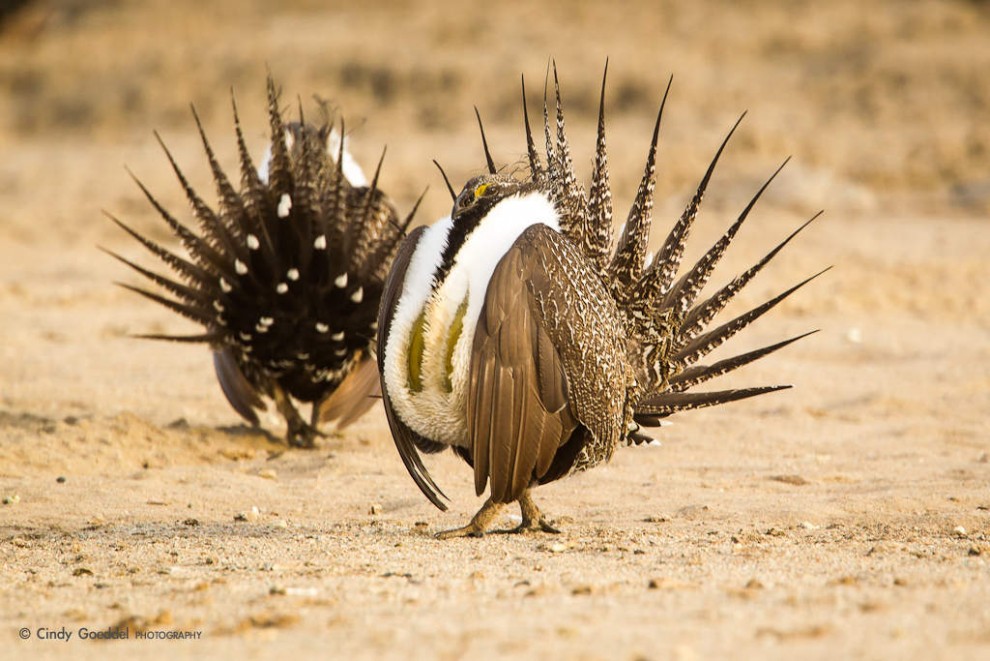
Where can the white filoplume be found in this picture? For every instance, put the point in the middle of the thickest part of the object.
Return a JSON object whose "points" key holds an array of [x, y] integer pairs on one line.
{"points": [[352, 171], [434, 412]]}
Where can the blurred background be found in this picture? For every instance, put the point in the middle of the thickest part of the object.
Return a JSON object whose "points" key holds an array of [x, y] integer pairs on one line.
{"points": [[885, 105]]}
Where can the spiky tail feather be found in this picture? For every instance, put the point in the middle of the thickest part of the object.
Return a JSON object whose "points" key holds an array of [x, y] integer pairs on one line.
{"points": [[666, 316], [285, 275]]}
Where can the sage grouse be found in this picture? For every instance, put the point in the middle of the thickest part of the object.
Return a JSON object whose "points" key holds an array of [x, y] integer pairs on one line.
{"points": [[285, 276], [512, 332]]}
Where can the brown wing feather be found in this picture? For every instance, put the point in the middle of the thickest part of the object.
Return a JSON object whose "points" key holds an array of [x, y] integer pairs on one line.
{"points": [[357, 393], [408, 442], [236, 388], [548, 377], [517, 398]]}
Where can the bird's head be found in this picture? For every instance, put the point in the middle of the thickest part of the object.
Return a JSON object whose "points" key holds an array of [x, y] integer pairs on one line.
{"points": [[481, 193]]}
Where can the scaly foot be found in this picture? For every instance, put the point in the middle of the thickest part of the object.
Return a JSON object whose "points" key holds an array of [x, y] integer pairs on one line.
{"points": [[298, 434], [479, 523], [532, 518]]}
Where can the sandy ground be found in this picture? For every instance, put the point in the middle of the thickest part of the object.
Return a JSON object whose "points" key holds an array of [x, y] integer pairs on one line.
{"points": [[846, 518]]}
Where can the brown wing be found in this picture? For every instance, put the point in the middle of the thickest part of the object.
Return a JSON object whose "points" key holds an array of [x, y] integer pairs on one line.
{"points": [[518, 413], [357, 393], [408, 442], [239, 392], [548, 372]]}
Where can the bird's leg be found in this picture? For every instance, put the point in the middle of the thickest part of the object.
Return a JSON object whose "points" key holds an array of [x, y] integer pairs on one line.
{"points": [[479, 523], [299, 434], [532, 518]]}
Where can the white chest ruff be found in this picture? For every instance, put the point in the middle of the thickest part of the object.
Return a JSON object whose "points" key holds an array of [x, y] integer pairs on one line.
{"points": [[438, 410]]}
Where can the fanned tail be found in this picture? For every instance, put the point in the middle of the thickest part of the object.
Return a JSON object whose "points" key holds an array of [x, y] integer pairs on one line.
{"points": [[285, 275], [661, 309]]}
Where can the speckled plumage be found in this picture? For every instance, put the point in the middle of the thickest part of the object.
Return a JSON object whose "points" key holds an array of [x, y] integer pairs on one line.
{"points": [[285, 275], [577, 344]]}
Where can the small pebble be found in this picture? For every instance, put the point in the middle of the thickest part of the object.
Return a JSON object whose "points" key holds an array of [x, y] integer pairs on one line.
{"points": [[268, 474], [248, 516], [558, 548], [796, 480], [60, 479], [959, 531], [301, 592]]}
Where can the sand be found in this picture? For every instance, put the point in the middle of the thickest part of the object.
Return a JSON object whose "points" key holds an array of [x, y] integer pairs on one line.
{"points": [[848, 517]]}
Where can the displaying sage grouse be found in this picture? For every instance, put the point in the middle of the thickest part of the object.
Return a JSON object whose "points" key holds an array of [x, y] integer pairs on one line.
{"points": [[285, 276], [512, 332]]}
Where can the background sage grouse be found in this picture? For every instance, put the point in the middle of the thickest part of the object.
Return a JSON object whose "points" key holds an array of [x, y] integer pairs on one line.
{"points": [[512, 332], [285, 276]]}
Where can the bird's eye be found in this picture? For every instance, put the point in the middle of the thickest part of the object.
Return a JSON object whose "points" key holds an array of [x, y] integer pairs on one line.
{"points": [[479, 190]]}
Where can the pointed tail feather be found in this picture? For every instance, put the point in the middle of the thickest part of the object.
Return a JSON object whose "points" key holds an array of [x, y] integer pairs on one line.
{"points": [[682, 295], [185, 268], [389, 245], [571, 192], [214, 230], [649, 412], [188, 294], [279, 168], [668, 259], [232, 208], [630, 255], [195, 313], [484, 143], [370, 219], [535, 168], [698, 374], [701, 315], [708, 342], [197, 338], [253, 188], [597, 232]]}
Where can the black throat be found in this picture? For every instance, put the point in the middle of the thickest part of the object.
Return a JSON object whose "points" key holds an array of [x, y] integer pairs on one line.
{"points": [[463, 225], [466, 220]]}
